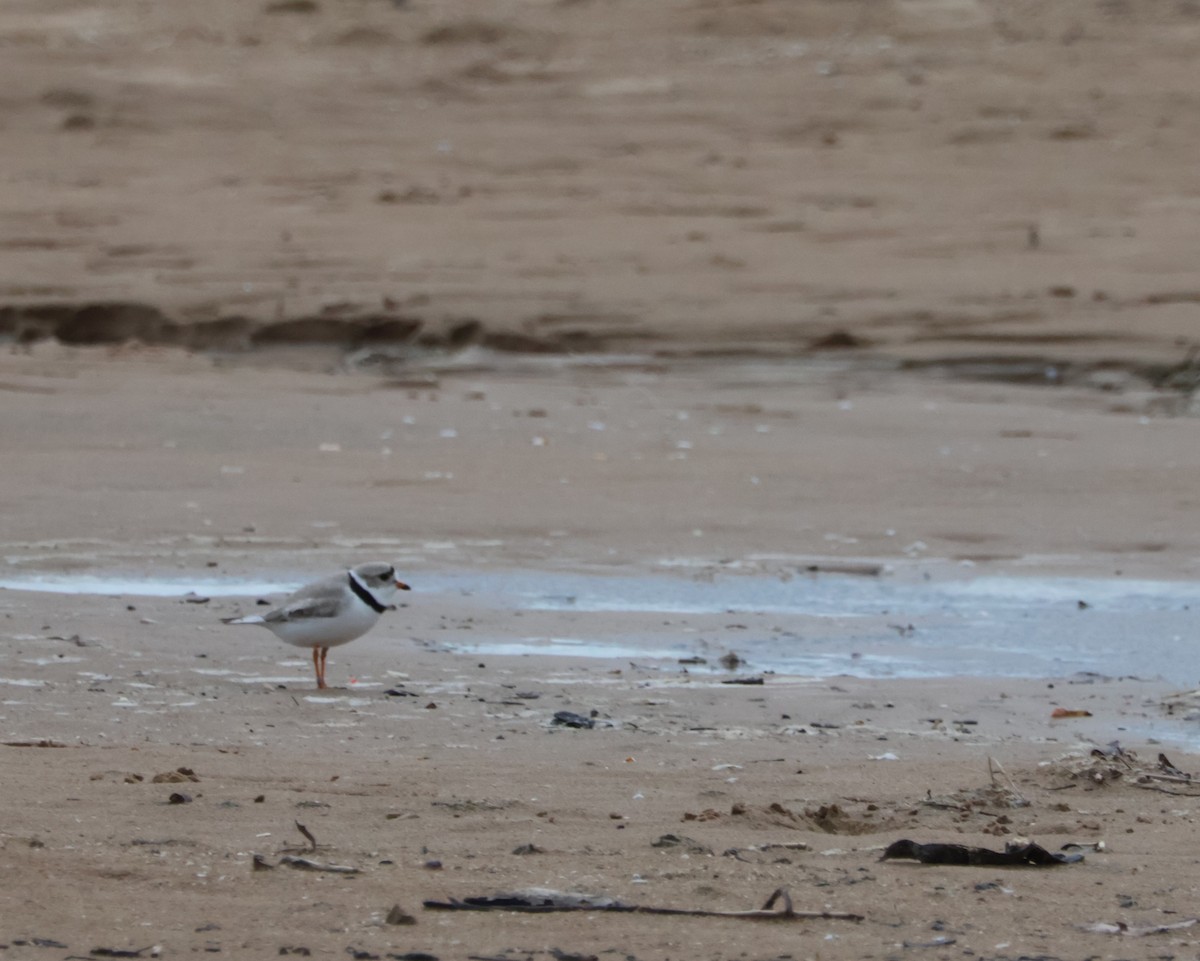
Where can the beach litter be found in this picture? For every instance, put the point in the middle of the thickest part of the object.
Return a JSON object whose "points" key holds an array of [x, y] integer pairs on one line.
{"points": [[1015, 855], [571, 719]]}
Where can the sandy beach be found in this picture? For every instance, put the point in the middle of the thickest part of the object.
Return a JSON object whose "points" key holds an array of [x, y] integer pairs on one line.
{"points": [[434, 760], [856, 340]]}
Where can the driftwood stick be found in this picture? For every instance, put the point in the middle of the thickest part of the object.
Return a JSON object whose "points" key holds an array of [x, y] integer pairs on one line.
{"points": [[766, 913], [1175, 778]]}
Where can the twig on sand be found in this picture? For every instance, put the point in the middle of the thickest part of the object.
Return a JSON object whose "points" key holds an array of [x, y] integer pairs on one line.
{"points": [[312, 841]]}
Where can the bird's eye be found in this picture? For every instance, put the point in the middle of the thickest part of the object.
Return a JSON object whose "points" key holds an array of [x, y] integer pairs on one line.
{"points": [[388, 574]]}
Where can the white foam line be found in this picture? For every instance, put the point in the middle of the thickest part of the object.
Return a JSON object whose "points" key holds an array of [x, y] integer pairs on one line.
{"points": [[559, 646]]}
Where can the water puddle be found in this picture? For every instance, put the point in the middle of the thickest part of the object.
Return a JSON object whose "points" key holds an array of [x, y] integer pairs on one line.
{"points": [[129, 586], [876, 626], [861, 626]]}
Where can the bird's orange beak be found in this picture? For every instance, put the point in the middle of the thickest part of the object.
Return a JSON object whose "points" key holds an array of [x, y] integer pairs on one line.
{"points": [[400, 585]]}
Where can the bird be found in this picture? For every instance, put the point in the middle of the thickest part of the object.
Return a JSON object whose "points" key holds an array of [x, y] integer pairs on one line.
{"points": [[332, 611]]}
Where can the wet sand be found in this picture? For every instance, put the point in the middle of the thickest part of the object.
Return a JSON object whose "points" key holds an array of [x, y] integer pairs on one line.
{"points": [[540, 462]]}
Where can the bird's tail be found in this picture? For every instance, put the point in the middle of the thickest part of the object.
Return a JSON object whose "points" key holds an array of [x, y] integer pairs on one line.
{"points": [[248, 619]]}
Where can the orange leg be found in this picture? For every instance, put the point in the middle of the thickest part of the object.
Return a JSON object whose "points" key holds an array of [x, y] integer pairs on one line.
{"points": [[324, 654], [317, 665]]}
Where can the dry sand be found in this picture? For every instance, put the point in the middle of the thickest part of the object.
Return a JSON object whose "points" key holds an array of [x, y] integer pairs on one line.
{"points": [[904, 286]]}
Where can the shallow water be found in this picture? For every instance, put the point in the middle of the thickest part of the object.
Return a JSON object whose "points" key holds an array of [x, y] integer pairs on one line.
{"points": [[822, 625]]}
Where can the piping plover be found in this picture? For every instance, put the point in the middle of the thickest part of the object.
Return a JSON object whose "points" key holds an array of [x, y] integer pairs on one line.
{"points": [[331, 611]]}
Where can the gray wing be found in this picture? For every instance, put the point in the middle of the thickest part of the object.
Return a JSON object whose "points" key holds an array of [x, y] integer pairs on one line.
{"points": [[320, 599]]}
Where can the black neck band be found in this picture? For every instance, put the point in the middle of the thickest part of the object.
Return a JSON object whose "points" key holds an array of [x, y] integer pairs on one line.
{"points": [[366, 596]]}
